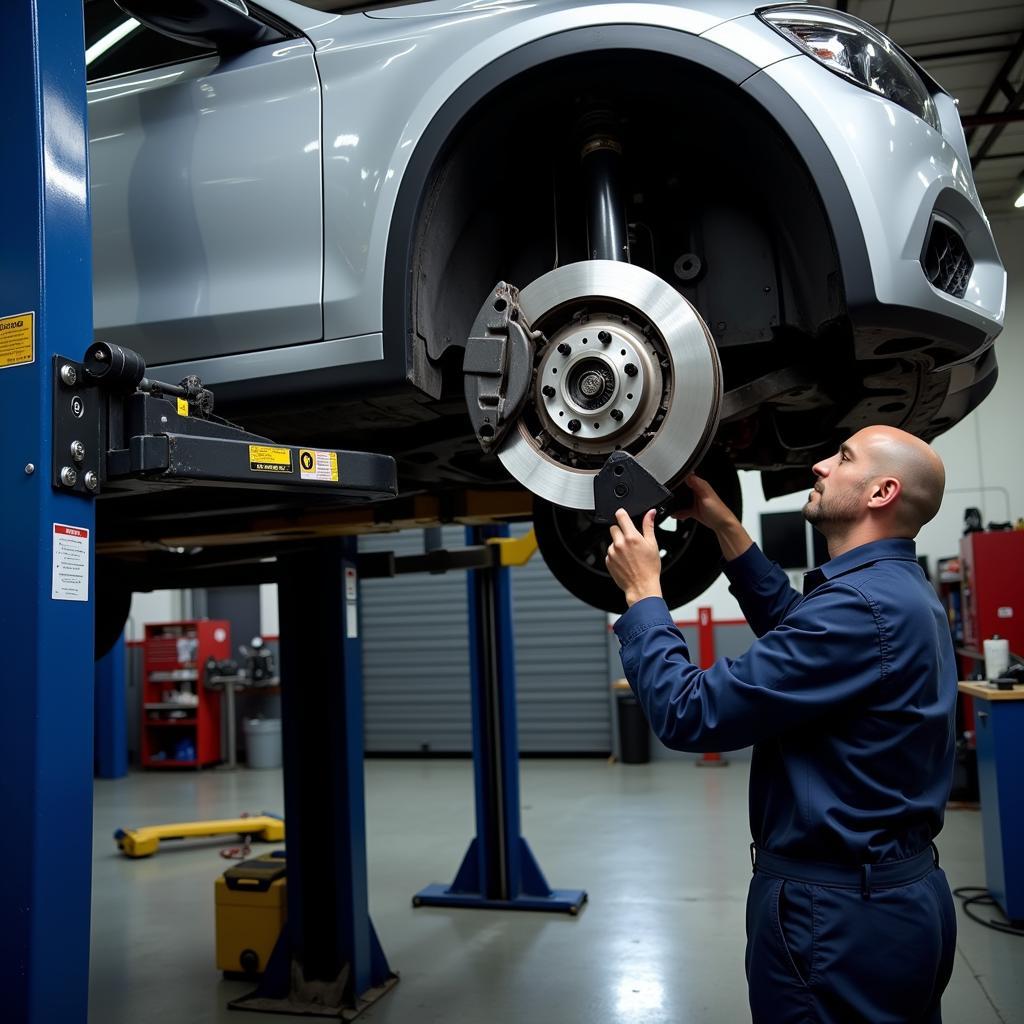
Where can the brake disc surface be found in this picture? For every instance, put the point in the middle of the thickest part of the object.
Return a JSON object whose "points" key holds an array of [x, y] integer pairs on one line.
{"points": [[629, 365]]}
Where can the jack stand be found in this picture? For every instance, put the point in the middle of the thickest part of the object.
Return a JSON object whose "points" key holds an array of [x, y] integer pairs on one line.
{"points": [[328, 961], [499, 870]]}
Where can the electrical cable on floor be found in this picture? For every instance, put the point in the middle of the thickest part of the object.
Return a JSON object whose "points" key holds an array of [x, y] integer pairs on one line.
{"points": [[977, 896]]}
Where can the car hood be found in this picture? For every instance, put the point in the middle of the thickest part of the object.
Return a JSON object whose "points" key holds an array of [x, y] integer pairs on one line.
{"points": [[706, 14]]}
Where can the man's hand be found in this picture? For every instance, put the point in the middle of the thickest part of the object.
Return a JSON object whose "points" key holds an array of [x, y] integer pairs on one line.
{"points": [[707, 507], [709, 510], [634, 560]]}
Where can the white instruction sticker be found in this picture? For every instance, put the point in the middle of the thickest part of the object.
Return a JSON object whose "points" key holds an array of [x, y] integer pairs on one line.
{"points": [[318, 465], [70, 580]]}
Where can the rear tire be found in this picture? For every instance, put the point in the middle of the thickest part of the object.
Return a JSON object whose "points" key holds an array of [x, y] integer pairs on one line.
{"points": [[574, 547]]}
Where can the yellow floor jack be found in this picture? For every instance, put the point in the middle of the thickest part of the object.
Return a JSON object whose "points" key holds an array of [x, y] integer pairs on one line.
{"points": [[145, 841]]}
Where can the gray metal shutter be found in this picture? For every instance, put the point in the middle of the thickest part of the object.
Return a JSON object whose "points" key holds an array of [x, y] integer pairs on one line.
{"points": [[416, 659], [561, 665], [415, 654]]}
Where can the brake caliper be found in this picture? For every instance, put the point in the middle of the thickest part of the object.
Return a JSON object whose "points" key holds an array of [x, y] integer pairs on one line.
{"points": [[498, 366]]}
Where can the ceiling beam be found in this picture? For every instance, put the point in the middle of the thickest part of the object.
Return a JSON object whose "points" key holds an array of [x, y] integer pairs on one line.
{"points": [[1002, 119], [1002, 76], [1008, 116]]}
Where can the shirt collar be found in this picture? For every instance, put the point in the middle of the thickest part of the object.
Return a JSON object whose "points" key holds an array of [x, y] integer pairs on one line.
{"points": [[865, 554]]}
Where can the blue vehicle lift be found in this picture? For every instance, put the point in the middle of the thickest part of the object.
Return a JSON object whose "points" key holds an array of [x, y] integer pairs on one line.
{"points": [[499, 870], [328, 958], [110, 720], [46, 286]]}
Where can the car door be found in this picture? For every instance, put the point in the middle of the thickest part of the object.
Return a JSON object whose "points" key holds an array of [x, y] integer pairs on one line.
{"points": [[205, 184]]}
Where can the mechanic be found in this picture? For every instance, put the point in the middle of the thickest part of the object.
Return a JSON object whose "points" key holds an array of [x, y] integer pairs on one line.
{"points": [[847, 696]]}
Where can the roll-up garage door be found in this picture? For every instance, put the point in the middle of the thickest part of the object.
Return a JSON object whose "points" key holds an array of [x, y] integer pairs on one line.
{"points": [[415, 659]]}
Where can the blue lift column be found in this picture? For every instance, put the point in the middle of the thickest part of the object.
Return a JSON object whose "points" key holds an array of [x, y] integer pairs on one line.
{"points": [[328, 961], [499, 870], [46, 612]]}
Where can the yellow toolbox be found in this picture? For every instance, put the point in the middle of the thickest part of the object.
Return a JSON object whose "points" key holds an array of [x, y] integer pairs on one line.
{"points": [[251, 909]]}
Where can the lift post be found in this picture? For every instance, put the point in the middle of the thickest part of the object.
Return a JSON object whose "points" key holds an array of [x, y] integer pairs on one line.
{"points": [[499, 870], [46, 606], [328, 961]]}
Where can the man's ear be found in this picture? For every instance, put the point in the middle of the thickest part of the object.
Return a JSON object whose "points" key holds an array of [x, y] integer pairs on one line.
{"points": [[884, 491]]}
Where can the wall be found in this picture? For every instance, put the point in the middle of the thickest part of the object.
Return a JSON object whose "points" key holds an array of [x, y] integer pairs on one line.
{"points": [[981, 453]]}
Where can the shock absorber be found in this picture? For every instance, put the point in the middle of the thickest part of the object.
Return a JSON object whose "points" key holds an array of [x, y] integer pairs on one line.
{"points": [[601, 160]]}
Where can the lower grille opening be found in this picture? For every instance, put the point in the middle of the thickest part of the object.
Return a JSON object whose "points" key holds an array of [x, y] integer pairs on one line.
{"points": [[946, 261]]}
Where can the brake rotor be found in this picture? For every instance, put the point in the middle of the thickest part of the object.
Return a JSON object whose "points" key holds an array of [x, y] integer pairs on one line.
{"points": [[628, 365]]}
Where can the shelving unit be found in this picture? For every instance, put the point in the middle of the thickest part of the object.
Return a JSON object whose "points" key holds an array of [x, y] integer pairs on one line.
{"points": [[181, 719]]}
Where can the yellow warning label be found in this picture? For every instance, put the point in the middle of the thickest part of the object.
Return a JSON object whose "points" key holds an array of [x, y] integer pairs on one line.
{"points": [[318, 465], [17, 339], [182, 407], [264, 459]]}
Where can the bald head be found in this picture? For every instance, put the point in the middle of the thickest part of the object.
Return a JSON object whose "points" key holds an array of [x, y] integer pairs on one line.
{"points": [[888, 451]]}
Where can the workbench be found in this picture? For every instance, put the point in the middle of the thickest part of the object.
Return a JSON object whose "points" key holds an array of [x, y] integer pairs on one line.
{"points": [[999, 732]]}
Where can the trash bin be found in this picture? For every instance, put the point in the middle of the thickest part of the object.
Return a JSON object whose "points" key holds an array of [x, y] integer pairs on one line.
{"points": [[634, 732], [263, 742]]}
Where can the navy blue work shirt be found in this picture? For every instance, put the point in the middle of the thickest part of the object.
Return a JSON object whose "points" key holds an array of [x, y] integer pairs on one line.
{"points": [[847, 695]]}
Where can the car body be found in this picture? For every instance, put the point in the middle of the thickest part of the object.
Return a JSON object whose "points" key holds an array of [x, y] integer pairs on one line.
{"points": [[311, 223]]}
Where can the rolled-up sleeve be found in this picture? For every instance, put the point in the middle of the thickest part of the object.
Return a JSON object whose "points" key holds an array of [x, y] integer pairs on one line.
{"points": [[827, 654]]}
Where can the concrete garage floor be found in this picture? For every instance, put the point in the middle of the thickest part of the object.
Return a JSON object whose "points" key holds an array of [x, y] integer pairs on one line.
{"points": [[661, 848]]}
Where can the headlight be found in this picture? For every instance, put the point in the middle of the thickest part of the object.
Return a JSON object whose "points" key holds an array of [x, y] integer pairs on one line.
{"points": [[857, 51]]}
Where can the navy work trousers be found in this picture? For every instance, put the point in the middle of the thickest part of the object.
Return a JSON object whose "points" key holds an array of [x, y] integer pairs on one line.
{"points": [[843, 954]]}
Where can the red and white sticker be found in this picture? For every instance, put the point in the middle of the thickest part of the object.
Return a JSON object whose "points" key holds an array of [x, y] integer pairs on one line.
{"points": [[70, 579], [351, 603]]}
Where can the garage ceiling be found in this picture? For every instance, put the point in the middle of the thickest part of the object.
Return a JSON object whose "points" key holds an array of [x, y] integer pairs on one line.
{"points": [[976, 52]]}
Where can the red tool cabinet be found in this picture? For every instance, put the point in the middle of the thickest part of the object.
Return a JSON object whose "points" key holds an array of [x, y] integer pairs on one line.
{"points": [[180, 723]]}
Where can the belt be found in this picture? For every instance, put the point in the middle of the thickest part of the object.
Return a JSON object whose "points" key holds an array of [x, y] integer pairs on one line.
{"points": [[865, 877]]}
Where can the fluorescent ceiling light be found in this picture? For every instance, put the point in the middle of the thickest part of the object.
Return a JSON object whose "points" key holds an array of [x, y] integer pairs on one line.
{"points": [[113, 37]]}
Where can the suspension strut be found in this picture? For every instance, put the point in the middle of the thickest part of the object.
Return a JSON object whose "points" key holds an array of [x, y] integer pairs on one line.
{"points": [[607, 229]]}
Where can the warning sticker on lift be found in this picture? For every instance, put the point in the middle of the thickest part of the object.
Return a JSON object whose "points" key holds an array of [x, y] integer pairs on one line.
{"points": [[264, 459], [317, 465], [70, 579], [17, 340]]}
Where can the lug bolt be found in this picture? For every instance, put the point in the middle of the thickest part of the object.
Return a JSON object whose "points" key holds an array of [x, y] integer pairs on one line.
{"points": [[69, 375], [616, 415], [631, 370], [564, 349], [68, 476], [604, 337], [574, 425], [548, 391], [92, 481], [77, 451]]}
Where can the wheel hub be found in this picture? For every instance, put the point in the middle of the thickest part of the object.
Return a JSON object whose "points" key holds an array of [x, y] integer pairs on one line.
{"points": [[628, 364], [597, 385]]}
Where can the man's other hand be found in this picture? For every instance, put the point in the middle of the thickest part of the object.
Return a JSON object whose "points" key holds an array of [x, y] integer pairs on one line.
{"points": [[706, 506], [709, 510], [634, 560]]}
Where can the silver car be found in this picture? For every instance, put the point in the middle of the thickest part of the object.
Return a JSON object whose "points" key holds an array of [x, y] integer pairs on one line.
{"points": [[502, 239]]}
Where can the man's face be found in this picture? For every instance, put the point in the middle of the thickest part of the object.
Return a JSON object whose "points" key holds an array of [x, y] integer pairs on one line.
{"points": [[839, 491]]}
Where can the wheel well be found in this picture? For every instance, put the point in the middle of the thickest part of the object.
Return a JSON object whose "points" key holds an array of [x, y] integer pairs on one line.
{"points": [[708, 172]]}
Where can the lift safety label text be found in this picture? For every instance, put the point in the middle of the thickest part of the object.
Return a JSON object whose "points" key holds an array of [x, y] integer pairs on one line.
{"points": [[264, 459], [317, 465], [70, 580], [17, 340]]}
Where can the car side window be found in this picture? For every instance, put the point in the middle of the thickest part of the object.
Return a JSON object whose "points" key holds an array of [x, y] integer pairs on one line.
{"points": [[116, 44]]}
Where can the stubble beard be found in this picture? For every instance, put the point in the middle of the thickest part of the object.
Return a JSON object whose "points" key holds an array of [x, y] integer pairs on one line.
{"points": [[828, 514]]}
